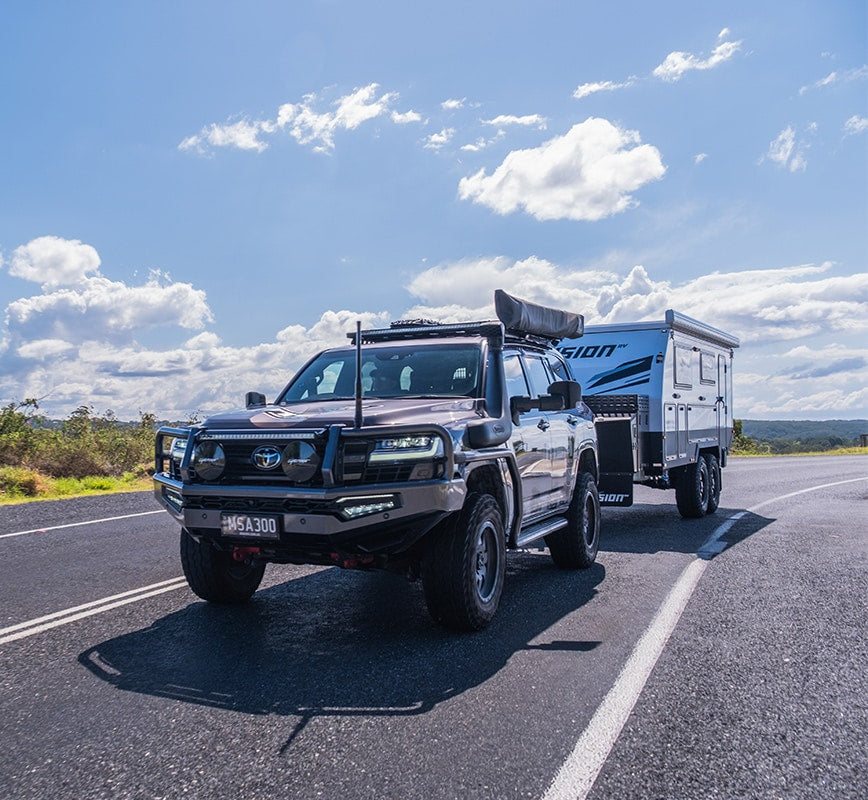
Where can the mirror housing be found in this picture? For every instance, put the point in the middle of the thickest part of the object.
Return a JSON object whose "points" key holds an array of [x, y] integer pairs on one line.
{"points": [[571, 391], [254, 400]]}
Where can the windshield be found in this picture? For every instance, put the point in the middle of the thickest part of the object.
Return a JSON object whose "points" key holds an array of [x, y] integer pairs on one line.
{"points": [[405, 370]]}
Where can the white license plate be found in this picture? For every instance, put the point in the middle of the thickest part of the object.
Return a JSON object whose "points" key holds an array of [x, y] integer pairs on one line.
{"points": [[256, 526]]}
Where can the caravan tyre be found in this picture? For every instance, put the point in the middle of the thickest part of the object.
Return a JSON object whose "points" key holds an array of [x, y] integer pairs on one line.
{"points": [[692, 489], [714, 485]]}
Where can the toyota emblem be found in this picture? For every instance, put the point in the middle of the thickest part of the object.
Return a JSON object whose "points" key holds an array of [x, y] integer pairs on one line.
{"points": [[266, 457]]}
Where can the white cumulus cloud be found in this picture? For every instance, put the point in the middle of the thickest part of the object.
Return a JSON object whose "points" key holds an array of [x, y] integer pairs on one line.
{"points": [[52, 261], [587, 89], [529, 120], [786, 152], [678, 63], [836, 77], [855, 124], [438, 140], [305, 121], [242, 135], [586, 174]]}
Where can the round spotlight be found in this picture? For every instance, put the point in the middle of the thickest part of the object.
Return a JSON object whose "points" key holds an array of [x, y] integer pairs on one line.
{"points": [[300, 461], [208, 460]]}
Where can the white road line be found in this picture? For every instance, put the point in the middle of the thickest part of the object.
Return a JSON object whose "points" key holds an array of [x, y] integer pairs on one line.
{"points": [[77, 524], [577, 774], [804, 491], [24, 629]]}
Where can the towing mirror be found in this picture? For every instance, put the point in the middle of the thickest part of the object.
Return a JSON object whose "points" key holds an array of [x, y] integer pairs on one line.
{"points": [[571, 391], [254, 399], [551, 402], [520, 404]]}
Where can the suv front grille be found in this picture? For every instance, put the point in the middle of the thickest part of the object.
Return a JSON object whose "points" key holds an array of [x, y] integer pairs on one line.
{"points": [[241, 469], [273, 505]]}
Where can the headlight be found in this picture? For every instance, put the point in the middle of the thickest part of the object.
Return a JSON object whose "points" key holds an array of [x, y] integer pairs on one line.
{"points": [[208, 460], [176, 451], [402, 448]]}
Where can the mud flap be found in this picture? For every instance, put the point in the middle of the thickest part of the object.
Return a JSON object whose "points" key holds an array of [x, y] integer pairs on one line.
{"points": [[618, 457], [616, 489]]}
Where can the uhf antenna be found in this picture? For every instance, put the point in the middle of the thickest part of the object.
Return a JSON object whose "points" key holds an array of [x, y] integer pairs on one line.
{"points": [[358, 419]]}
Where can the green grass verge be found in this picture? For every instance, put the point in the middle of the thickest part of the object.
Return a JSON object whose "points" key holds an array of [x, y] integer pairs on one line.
{"points": [[841, 451], [21, 485]]}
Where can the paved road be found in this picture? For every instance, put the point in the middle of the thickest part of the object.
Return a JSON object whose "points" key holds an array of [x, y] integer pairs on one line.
{"points": [[748, 662]]}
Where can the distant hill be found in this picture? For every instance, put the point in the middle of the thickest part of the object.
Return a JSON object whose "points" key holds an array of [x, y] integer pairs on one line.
{"points": [[794, 435], [798, 429]]}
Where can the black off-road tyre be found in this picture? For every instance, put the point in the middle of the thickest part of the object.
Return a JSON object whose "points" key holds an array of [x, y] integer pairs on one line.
{"points": [[214, 575], [714, 482], [575, 547], [464, 565], [692, 489]]}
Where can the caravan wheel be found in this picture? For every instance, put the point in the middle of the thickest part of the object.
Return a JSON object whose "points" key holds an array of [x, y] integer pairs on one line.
{"points": [[714, 484], [692, 489]]}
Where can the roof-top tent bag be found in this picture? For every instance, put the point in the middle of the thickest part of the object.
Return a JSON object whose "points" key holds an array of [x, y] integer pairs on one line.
{"points": [[520, 315]]}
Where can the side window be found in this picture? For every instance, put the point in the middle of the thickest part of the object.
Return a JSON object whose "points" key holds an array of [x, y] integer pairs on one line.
{"points": [[683, 366], [558, 368], [538, 374], [516, 385], [707, 369]]}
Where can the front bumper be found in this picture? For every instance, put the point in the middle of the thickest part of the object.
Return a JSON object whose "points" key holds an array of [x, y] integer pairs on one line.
{"points": [[313, 529]]}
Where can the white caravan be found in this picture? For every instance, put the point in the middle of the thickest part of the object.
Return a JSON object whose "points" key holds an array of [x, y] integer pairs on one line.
{"points": [[661, 393]]}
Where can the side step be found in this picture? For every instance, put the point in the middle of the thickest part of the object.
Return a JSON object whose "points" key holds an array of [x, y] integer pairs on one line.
{"points": [[540, 529]]}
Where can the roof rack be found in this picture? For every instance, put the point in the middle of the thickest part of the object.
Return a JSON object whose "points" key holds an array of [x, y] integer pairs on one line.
{"points": [[521, 320], [426, 330], [523, 337]]}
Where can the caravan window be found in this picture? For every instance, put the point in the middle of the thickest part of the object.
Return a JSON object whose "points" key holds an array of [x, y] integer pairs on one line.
{"points": [[707, 368], [683, 366]]}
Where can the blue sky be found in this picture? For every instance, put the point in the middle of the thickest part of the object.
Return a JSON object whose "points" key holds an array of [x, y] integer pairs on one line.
{"points": [[196, 196]]}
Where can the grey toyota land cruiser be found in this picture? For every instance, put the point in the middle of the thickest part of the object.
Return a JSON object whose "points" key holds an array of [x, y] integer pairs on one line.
{"points": [[424, 448]]}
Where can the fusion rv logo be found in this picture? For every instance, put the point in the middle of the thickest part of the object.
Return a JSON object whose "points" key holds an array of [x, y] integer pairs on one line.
{"points": [[590, 350], [613, 498]]}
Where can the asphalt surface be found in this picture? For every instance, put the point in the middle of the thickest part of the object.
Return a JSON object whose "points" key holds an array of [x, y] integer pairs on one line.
{"points": [[335, 684]]}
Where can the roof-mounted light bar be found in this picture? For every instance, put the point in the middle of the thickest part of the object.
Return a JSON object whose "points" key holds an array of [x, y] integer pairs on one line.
{"points": [[487, 329]]}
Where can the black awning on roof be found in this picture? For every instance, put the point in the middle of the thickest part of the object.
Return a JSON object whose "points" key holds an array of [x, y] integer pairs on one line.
{"points": [[521, 316]]}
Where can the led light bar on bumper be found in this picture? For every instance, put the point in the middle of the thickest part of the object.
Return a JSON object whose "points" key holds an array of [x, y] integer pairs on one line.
{"points": [[355, 507]]}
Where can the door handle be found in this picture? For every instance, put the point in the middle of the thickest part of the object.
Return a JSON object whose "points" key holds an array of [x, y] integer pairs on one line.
{"points": [[573, 420], [543, 425]]}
